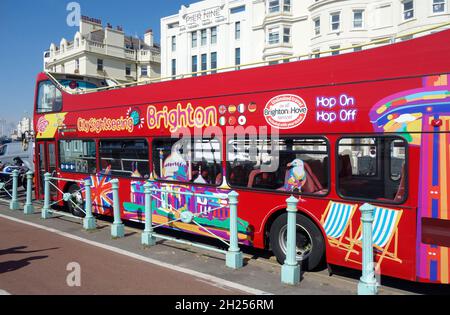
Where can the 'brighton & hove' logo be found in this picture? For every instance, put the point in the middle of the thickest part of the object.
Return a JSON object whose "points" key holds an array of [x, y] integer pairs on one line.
{"points": [[286, 111]]}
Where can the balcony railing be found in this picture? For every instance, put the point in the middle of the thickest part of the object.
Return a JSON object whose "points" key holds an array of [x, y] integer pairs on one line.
{"points": [[152, 55]]}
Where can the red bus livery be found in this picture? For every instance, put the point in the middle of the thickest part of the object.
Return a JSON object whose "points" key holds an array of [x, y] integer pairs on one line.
{"points": [[370, 126]]}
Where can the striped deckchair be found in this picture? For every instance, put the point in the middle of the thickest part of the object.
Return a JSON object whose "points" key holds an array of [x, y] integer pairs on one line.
{"points": [[384, 230], [336, 219]]}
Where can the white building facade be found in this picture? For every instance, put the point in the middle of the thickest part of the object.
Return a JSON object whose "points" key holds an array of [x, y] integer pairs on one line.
{"points": [[105, 52], [222, 33]]}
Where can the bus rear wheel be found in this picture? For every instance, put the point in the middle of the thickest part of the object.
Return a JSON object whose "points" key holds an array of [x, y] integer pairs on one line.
{"points": [[310, 242], [76, 203]]}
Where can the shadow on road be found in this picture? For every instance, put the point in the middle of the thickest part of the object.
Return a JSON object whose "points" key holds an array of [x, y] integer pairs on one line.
{"points": [[14, 265], [20, 250]]}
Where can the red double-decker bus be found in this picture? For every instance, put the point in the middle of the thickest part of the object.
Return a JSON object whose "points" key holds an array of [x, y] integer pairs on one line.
{"points": [[364, 127]]}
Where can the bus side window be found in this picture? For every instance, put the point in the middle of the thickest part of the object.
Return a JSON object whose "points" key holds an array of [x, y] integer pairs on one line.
{"points": [[372, 168], [293, 164], [128, 158], [49, 98], [197, 161]]}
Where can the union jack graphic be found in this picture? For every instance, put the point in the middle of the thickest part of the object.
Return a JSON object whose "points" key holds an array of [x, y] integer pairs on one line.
{"points": [[102, 196]]}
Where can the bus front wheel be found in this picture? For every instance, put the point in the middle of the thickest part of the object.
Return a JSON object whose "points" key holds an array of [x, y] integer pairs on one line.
{"points": [[310, 244]]}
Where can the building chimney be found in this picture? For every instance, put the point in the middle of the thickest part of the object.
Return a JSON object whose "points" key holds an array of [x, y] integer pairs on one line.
{"points": [[148, 37]]}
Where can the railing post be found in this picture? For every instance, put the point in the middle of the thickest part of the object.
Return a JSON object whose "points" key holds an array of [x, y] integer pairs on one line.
{"points": [[45, 214], [29, 209], [290, 271], [367, 284], [89, 220], [234, 257], [117, 229], [14, 204], [147, 238]]}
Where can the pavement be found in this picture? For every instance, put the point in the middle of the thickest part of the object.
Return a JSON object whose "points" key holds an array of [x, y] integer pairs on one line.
{"points": [[35, 254]]}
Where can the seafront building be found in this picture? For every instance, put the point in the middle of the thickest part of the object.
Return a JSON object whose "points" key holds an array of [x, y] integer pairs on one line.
{"points": [[220, 33], [105, 52]]}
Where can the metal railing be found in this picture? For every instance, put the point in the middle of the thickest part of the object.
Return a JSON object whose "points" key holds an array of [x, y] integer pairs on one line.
{"points": [[11, 184], [307, 56], [234, 258]]}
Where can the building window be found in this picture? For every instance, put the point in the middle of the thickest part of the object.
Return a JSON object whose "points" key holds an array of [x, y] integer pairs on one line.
{"points": [[204, 63], [194, 39], [194, 65], [357, 47], [372, 168], [438, 6], [408, 9], [358, 18], [316, 53], [274, 36], [99, 64], [77, 65], [287, 6], [335, 50], [78, 156], [213, 62], [174, 67], [237, 9], [174, 43], [237, 31], [286, 35], [144, 71], [213, 35], [317, 26], [128, 70], [309, 156], [128, 158], [274, 6], [204, 37], [335, 21], [237, 56]]}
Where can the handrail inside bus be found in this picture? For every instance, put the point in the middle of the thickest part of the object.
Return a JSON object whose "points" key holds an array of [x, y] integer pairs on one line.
{"points": [[390, 39]]}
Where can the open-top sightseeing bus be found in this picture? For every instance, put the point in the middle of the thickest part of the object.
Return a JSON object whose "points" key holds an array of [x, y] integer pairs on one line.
{"points": [[364, 127]]}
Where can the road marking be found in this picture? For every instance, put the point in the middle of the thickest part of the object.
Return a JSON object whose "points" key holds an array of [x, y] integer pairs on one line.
{"points": [[194, 273]]}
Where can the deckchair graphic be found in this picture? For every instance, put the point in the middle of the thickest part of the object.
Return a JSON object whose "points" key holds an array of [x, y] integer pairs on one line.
{"points": [[384, 231], [336, 220]]}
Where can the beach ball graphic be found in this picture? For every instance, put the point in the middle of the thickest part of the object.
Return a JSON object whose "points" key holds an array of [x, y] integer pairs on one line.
{"points": [[232, 109], [242, 120], [241, 108], [232, 121]]}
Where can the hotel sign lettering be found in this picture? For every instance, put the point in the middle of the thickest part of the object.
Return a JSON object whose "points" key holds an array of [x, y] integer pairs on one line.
{"points": [[203, 15]]}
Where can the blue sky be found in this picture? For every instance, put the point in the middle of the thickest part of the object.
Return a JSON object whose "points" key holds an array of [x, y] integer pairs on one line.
{"points": [[28, 27]]}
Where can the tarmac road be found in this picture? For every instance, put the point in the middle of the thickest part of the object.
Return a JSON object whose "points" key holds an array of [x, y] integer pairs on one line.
{"points": [[34, 261]]}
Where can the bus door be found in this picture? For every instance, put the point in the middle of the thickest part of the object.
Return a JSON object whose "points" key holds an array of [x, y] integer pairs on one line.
{"points": [[46, 161]]}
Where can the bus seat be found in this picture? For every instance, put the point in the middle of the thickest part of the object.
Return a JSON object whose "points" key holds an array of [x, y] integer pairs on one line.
{"points": [[318, 169], [345, 166], [252, 176], [312, 184]]}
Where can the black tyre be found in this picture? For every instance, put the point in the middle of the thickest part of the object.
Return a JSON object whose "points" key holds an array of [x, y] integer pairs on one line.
{"points": [[310, 242], [76, 200]]}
